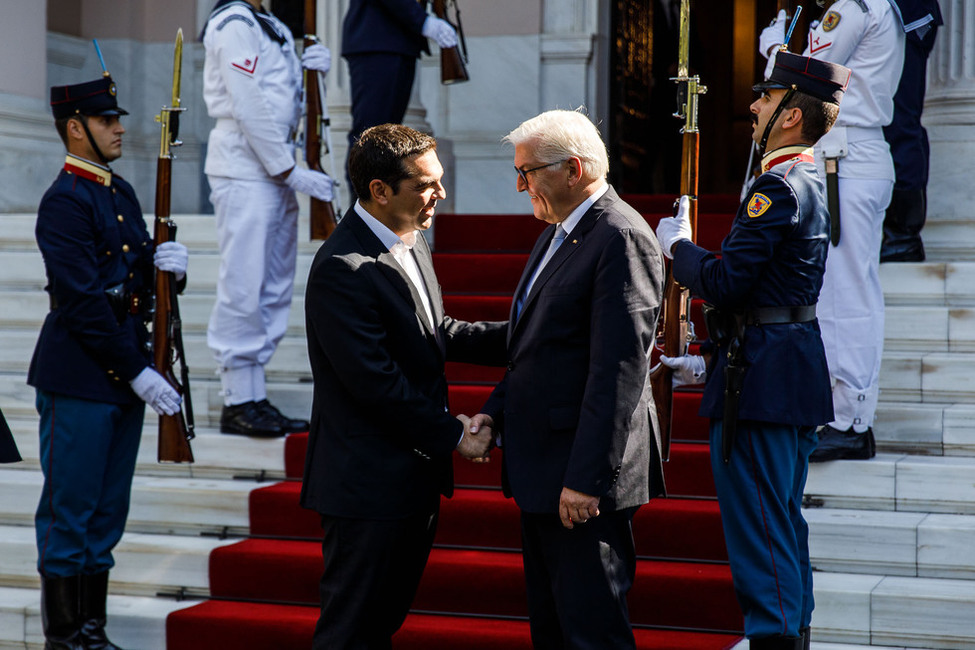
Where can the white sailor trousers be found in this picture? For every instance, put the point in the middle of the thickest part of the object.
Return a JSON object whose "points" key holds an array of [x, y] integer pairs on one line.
{"points": [[257, 231], [851, 303]]}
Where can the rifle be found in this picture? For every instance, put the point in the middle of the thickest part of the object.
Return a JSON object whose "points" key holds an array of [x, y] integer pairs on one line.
{"points": [[452, 59], [321, 213], [175, 431], [673, 328]]}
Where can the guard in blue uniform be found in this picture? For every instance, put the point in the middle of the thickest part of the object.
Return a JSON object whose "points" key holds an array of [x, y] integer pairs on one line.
{"points": [[91, 367], [768, 384], [908, 139]]}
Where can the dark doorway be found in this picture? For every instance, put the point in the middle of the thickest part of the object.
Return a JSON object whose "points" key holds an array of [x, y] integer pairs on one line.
{"points": [[644, 139]]}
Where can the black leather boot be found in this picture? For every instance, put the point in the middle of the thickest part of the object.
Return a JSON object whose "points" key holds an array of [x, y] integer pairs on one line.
{"points": [[289, 425], [94, 593], [777, 642], [903, 222], [61, 613], [806, 635]]}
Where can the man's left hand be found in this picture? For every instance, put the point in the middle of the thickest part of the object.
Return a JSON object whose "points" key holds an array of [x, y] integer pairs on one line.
{"points": [[577, 507], [671, 230], [172, 256], [317, 57]]}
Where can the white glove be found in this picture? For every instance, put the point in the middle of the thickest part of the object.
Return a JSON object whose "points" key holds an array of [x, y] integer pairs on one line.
{"points": [[440, 31], [671, 230], [773, 35], [688, 369], [172, 256], [317, 57], [312, 183], [156, 392]]}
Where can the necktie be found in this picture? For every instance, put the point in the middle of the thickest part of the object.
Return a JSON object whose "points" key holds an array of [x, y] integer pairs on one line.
{"points": [[553, 246]]}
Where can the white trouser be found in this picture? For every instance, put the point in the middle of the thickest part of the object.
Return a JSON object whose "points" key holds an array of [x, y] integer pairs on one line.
{"points": [[257, 231], [851, 304]]}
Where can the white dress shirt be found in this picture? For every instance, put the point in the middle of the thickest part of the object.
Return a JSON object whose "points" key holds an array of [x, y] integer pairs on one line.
{"points": [[400, 247]]}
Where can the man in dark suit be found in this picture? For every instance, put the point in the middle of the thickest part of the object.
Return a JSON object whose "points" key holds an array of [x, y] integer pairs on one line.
{"points": [[381, 41], [379, 450], [575, 413]]}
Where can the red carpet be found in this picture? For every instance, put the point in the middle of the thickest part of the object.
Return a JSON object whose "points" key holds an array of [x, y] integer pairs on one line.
{"points": [[264, 590]]}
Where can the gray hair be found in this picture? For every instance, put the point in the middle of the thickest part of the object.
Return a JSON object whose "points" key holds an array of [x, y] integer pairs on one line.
{"points": [[560, 134]]}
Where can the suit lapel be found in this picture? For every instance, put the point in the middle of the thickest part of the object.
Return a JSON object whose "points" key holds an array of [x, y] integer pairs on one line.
{"points": [[572, 243], [424, 261], [389, 267]]}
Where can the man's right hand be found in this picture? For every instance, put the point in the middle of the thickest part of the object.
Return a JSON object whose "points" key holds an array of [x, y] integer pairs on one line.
{"points": [[312, 183], [155, 391], [477, 441]]}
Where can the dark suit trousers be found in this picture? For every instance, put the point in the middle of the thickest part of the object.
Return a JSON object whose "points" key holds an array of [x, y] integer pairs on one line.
{"points": [[372, 570], [380, 85], [578, 580]]}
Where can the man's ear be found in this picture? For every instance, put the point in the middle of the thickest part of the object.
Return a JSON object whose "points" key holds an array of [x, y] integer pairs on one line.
{"points": [[792, 118], [379, 191], [575, 170], [75, 130]]}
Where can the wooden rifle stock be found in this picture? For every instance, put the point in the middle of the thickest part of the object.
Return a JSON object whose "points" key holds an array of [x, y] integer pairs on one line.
{"points": [[322, 219], [174, 432], [673, 326], [452, 68]]}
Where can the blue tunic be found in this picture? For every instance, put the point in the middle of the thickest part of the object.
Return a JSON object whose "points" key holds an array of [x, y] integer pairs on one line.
{"points": [[774, 256]]}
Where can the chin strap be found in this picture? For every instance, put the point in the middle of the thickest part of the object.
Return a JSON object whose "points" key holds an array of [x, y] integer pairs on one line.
{"points": [[775, 116], [98, 152]]}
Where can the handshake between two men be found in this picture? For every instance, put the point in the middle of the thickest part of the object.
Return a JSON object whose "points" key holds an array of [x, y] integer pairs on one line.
{"points": [[478, 440]]}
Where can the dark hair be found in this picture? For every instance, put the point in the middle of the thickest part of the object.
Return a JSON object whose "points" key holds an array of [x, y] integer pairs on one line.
{"points": [[817, 116], [379, 154]]}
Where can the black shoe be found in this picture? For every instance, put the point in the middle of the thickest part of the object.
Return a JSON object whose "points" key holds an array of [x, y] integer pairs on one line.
{"points": [[289, 425], [249, 419], [844, 445]]}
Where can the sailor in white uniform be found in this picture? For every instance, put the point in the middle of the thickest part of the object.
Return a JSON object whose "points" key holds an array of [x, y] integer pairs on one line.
{"points": [[867, 37], [252, 87]]}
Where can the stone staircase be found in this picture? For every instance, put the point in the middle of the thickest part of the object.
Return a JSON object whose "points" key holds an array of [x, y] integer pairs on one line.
{"points": [[891, 538]]}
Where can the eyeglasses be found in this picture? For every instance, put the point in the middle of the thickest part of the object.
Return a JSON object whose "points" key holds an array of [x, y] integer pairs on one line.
{"points": [[525, 172]]}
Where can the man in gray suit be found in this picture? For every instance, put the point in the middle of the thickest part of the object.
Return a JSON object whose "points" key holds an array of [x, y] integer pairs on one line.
{"points": [[575, 412]]}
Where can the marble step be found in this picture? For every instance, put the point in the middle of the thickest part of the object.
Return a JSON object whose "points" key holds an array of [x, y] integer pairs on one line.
{"points": [[27, 308], [159, 505], [893, 611], [903, 483], [145, 564], [293, 395], [216, 455], [290, 360], [942, 377], [25, 270], [929, 283], [197, 231], [909, 544]]}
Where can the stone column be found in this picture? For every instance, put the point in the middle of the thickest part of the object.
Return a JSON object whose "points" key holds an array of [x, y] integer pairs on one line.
{"points": [[949, 116]]}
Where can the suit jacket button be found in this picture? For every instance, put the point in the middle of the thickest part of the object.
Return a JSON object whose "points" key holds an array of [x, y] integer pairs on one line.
{"points": [[511, 365]]}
